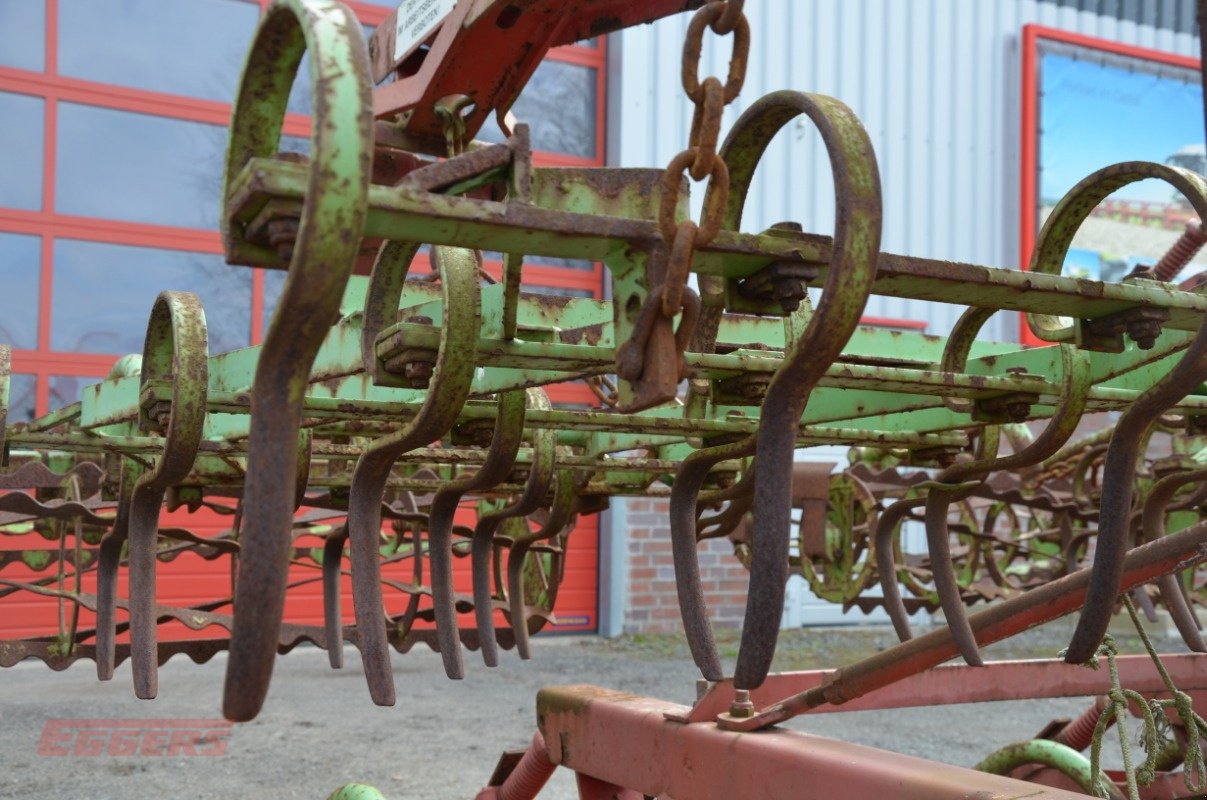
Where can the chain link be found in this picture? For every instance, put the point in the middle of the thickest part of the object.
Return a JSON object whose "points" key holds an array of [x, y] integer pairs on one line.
{"points": [[699, 161]]}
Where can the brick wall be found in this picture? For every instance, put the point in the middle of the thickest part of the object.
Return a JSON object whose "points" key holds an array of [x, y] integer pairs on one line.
{"points": [[651, 603]]}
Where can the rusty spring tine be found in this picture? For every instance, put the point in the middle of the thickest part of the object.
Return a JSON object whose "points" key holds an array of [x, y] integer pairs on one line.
{"points": [[536, 489], [959, 344], [1123, 452], [384, 296], [886, 567], [499, 461], [1052, 244], [848, 284], [1117, 485], [333, 558], [328, 240], [451, 381], [175, 357], [417, 524], [561, 516], [108, 561], [1076, 381], [884, 544], [1153, 527], [693, 609]]}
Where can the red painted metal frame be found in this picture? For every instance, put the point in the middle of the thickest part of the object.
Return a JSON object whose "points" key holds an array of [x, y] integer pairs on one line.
{"points": [[959, 683], [43, 362], [1029, 134], [628, 741]]}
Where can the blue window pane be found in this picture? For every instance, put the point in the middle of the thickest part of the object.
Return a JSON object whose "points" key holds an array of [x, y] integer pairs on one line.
{"points": [[103, 295], [22, 398], [23, 34], [195, 48], [559, 106], [21, 151], [20, 259], [138, 168]]}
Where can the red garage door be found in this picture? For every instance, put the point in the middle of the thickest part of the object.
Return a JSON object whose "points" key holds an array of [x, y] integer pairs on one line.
{"points": [[115, 195]]}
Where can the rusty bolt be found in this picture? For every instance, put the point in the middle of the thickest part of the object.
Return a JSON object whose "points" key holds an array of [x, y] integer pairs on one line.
{"points": [[1142, 325], [418, 373], [742, 707], [477, 432], [1018, 411], [751, 387], [282, 235], [782, 281], [789, 281], [416, 364], [942, 455], [1144, 332], [159, 415]]}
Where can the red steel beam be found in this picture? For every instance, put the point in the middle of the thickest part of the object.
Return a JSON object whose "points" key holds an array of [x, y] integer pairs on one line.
{"points": [[484, 49], [959, 683], [626, 740], [1185, 549]]}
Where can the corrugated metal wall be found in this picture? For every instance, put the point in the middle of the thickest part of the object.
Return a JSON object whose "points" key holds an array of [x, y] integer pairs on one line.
{"points": [[936, 83]]}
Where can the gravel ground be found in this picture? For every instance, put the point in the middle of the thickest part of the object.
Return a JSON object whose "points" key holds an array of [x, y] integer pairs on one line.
{"points": [[319, 730]]}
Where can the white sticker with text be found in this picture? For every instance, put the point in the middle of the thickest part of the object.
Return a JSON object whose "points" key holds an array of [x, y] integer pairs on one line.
{"points": [[415, 21]]}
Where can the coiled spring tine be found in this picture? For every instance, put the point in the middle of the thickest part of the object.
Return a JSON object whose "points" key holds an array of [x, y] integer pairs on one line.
{"points": [[333, 559], [856, 244], [1076, 381], [1052, 246], [452, 378], [175, 358], [108, 561], [1118, 479], [328, 241], [536, 489], [498, 464], [887, 524], [1172, 591], [414, 526], [561, 516], [693, 609]]}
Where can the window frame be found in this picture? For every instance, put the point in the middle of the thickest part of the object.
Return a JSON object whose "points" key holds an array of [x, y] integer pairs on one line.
{"points": [[48, 225]]}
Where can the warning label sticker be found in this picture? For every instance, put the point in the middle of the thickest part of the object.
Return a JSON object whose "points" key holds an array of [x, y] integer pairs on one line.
{"points": [[415, 21]]}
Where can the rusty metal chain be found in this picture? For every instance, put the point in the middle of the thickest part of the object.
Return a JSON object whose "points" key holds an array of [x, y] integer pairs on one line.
{"points": [[700, 161]]}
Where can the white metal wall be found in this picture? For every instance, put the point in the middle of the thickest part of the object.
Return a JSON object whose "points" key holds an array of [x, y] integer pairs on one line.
{"points": [[936, 83]]}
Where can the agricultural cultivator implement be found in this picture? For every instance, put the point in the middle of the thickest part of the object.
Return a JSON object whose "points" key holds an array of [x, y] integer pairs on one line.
{"points": [[395, 419]]}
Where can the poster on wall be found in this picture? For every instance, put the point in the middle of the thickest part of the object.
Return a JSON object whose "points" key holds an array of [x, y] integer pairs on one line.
{"points": [[1090, 103]]}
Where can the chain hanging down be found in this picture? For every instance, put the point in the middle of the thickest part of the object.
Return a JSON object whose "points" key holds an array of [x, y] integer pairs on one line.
{"points": [[670, 264]]}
